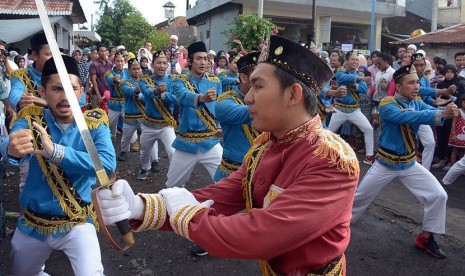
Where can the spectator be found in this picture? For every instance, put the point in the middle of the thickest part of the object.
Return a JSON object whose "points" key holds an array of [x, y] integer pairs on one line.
{"points": [[97, 71], [20, 61]]}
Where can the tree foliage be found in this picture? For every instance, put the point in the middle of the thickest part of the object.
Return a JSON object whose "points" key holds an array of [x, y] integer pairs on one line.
{"points": [[250, 30], [121, 24]]}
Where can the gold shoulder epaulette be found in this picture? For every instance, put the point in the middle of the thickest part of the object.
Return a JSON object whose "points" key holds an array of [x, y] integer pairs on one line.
{"points": [[128, 83], [108, 73], [148, 79], [338, 153], [341, 68], [222, 74], [212, 77], [18, 73], [96, 117], [418, 98], [387, 100], [31, 110], [225, 95]]}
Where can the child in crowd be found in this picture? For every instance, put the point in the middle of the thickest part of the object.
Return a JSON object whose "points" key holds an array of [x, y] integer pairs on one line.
{"points": [[221, 65], [457, 134]]}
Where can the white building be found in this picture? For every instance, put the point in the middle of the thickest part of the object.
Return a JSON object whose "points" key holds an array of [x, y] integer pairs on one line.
{"points": [[337, 22]]}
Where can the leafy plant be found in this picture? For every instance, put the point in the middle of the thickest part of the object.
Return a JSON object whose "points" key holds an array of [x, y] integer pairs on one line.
{"points": [[250, 30]]}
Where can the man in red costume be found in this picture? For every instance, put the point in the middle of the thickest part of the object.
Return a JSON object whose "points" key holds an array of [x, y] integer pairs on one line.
{"points": [[297, 182]]}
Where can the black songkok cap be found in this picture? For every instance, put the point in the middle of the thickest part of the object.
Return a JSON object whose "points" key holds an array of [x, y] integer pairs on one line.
{"points": [[248, 60], [159, 54], [296, 60], [38, 40], [196, 47], [417, 56], [131, 62], [402, 71], [50, 67]]}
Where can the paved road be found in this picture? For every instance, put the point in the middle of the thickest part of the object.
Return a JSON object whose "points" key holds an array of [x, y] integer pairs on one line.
{"points": [[382, 241]]}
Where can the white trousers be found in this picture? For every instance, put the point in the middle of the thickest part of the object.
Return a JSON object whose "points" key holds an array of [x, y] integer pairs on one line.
{"points": [[113, 116], [455, 171], [183, 163], [80, 245], [359, 120], [149, 137], [418, 180], [426, 136], [129, 136]]}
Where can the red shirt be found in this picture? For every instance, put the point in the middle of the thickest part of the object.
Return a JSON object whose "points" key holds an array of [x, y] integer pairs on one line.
{"points": [[306, 225]]}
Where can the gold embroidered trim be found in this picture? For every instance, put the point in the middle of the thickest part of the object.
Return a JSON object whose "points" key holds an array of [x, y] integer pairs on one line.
{"points": [[196, 136], [334, 268], [333, 148], [249, 132], [140, 106], [23, 76], [394, 159], [204, 114], [181, 218], [155, 212], [70, 201], [95, 117], [228, 167]]}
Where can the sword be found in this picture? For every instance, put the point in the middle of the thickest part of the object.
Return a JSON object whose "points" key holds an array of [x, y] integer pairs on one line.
{"points": [[102, 176]]}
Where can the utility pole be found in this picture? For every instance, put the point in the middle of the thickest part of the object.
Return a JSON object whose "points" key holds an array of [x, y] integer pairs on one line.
{"points": [[434, 16], [313, 21], [372, 27], [260, 9]]}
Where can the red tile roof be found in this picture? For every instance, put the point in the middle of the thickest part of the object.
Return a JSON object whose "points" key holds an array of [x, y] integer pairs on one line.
{"points": [[28, 7], [451, 35]]}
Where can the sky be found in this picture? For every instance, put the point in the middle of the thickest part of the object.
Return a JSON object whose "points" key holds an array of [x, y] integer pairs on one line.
{"points": [[152, 10]]}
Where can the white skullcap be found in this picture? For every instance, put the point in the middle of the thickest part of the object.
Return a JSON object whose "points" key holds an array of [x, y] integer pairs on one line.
{"points": [[211, 52], [174, 37], [412, 46], [421, 52], [120, 47]]}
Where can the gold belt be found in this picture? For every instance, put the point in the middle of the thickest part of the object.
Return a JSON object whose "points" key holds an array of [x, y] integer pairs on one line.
{"points": [[395, 158], [196, 136], [229, 166], [347, 106]]}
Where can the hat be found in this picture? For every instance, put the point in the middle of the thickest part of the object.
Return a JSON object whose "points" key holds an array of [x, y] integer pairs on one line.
{"points": [[428, 66], [38, 40], [50, 67], [196, 47], [132, 61], [86, 51], [324, 54], [402, 71], [412, 46], [297, 61], [211, 52], [417, 56], [120, 47], [174, 37], [159, 54], [421, 52], [247, 60], [131, 55]]}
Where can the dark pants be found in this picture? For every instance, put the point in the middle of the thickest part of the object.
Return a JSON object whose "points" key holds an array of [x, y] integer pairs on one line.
{"points": [[443, 133]]}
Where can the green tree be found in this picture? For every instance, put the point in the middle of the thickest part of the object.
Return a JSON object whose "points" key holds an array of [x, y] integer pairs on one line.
{"points": [[110, 25], [121, 24], [250, 30]]}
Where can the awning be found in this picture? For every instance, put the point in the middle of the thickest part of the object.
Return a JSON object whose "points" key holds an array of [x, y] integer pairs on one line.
{"points": [[15, 30]]}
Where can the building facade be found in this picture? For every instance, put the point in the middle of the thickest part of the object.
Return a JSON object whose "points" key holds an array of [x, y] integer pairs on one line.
{"points": [[336, 22]]}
